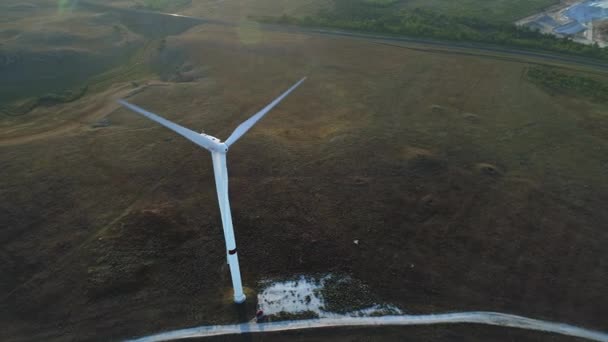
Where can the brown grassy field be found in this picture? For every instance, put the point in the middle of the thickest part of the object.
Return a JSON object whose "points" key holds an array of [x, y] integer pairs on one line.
{"points": [[468, 187]]}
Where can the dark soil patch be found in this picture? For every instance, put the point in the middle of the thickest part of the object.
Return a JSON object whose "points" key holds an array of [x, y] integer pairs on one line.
{"points": [[488, 170], [285, 316], [344, 294]]}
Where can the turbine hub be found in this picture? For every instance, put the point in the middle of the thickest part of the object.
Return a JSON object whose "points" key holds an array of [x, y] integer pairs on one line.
{"points": [[223, 147], [219, 146]]}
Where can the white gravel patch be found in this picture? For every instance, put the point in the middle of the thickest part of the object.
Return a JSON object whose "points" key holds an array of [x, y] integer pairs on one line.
{"points": [[304, 294]]}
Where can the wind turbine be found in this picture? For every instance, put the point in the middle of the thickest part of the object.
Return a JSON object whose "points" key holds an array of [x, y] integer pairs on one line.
{"points": [[218, 151]]}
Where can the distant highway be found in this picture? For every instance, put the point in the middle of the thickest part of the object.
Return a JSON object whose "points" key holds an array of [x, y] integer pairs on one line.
{"points": [[486, 318], [470, 46], [477, 49]]}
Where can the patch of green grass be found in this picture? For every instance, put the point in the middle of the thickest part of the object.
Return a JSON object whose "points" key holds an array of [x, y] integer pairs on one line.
{"points": [[162, 5], [136, 67], [501, 11], [578, 85], [26, 106], [381, 3], [495, 10]]}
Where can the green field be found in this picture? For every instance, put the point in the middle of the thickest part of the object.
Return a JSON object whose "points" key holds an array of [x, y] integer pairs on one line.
{"points": [[569, 84], [162, 5], [456, 22], [495, 10]]}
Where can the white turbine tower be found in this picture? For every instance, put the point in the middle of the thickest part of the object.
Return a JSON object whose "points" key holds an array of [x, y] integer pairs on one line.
{"points": [[218, 151]]}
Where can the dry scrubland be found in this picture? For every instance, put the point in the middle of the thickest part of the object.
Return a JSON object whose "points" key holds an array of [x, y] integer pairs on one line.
{"points": [[468, 187]]}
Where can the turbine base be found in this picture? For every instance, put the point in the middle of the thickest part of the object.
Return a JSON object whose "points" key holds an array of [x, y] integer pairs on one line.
{"points": [[240, 299]]}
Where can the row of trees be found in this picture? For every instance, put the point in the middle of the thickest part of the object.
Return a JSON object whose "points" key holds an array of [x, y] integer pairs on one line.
{"points": [[561, 82], [425, 23]]}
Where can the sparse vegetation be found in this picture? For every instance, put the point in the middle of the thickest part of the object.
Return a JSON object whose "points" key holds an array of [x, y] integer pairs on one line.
{"points": [[384, 310], [136, 67], [602, 29], [162, 5], [494, 10], [389, 18], [573, 84], [381, 3], [25, 106], [344, 295]]}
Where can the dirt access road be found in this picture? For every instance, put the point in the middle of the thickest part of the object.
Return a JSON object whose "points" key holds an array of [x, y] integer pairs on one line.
{"points": [[487, 318]]}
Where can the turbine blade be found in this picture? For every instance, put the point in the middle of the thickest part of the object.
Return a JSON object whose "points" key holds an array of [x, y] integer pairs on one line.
{"points": [[196, 138], [246, 125]]}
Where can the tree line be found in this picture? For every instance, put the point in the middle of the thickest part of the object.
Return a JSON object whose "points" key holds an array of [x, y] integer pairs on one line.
{"points": [[556, 81], [363, 16]]}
